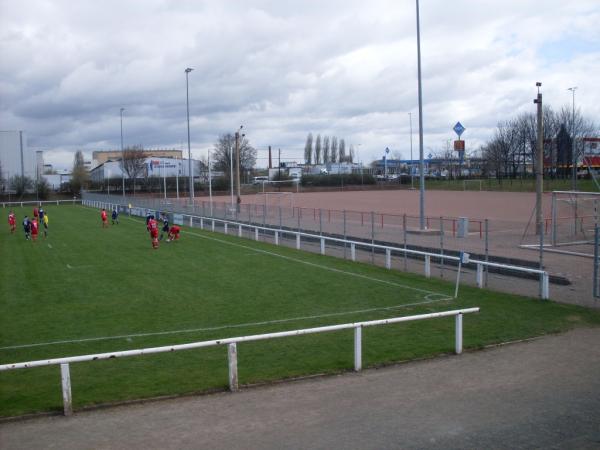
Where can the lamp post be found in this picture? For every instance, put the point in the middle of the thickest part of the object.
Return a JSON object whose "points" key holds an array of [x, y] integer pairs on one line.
{"points": [[573, 154], [412, 178], [187, 98], [122, 154], [421, 162]]}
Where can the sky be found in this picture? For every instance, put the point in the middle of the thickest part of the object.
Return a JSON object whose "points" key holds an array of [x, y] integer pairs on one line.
{"points": [[283, 69]]}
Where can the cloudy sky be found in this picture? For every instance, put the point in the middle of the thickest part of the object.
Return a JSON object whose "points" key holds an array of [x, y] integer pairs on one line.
{"points": [[285, 68]]}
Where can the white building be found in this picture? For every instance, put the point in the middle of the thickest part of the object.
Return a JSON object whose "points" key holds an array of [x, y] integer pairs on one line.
{"points": [[154, 167], [15, 157]]}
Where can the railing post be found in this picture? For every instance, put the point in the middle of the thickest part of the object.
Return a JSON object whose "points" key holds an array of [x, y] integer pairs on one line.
{"points": [[357, 348], [256, 233], [201, 223], [239, 231], [233, 370], [225, 225], [322, 246], [388, 258], [458, 345], [428, 266], [213, 226], [298, 242], [353, 251], [65, 377], [191, 221], [276, 237], [479, 275]]}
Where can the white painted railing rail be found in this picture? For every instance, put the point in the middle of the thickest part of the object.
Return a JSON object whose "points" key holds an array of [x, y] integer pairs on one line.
{"points": [[544, 279], [232, 348]]}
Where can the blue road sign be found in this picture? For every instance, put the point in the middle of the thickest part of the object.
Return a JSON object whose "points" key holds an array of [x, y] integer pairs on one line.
{"points": [[459, 129]]}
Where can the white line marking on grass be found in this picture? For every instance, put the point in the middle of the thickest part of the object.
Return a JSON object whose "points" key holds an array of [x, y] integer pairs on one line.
{"points": [[128, 337], [289, 258], [256, 250], [69, 266]]}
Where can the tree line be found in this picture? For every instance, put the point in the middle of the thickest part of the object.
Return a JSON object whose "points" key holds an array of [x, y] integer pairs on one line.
{"points": [[327, 150]]}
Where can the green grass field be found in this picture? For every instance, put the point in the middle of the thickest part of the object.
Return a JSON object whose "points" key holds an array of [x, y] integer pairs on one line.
{"points": [[86, 290]]}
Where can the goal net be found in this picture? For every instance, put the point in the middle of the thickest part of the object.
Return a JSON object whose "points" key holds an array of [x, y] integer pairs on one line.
{"points": [[276, 204], [574, 216]]}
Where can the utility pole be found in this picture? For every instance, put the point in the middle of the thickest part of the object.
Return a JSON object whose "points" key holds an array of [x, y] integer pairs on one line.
{"points": [[539, 172], [539, 167], [573, 154], [237, 166]]}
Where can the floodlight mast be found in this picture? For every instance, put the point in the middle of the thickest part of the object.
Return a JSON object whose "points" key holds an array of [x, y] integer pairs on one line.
{"points": [[191, 175], [122, 154], [421, 162]]}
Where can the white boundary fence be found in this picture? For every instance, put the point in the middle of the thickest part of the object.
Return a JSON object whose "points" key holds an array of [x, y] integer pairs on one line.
{"points": [[40, 202], [232, 348], [544, 279]]}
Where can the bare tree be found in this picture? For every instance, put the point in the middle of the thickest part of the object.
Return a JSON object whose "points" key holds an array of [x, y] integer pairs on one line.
{"points": [[342, 151], [223, 154], [334, 150], [308, 149], [134, 163], [326, 149], [318, 150], [350, 157], [79, 174]]}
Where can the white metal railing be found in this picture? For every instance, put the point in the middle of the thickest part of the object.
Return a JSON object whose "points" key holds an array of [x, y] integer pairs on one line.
{"points": [[40, 202], [232, 348], [544, 279]]}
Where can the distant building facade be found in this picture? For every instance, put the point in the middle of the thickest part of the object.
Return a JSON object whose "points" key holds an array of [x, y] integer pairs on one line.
{"points": [[101, 157]]}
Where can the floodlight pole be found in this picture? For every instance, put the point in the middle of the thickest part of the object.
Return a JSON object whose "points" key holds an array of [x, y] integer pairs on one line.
{"points": [[122, 154], [187, 97], [573, 154], [421, 162]]}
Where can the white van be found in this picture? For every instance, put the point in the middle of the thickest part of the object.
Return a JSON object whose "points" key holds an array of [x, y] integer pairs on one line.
{"points": [[260, 180]]}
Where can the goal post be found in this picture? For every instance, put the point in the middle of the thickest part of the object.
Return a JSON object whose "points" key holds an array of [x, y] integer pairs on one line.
{"points": [[574, 215], [275, 203], [472, 185]]}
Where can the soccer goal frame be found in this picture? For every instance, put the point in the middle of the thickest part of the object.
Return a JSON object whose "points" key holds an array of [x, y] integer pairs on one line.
{"points": [[574, 215], [476, 182], [276, 201]]}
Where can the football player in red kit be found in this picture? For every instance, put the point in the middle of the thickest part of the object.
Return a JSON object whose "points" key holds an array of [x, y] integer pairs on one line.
{"points": [[153, 228], [12, 222], [173, 233], [104, 217], [34, 229]]}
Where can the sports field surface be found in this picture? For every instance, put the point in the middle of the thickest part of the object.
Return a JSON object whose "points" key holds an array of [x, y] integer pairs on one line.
{"points": [[85, 289]]}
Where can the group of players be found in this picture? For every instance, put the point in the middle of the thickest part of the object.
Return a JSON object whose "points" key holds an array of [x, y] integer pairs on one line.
{"points": [[151, 225], [31, 227]]}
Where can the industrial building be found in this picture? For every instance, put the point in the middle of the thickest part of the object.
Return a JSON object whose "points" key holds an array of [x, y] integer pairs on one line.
{"points": [[15, 156]]}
